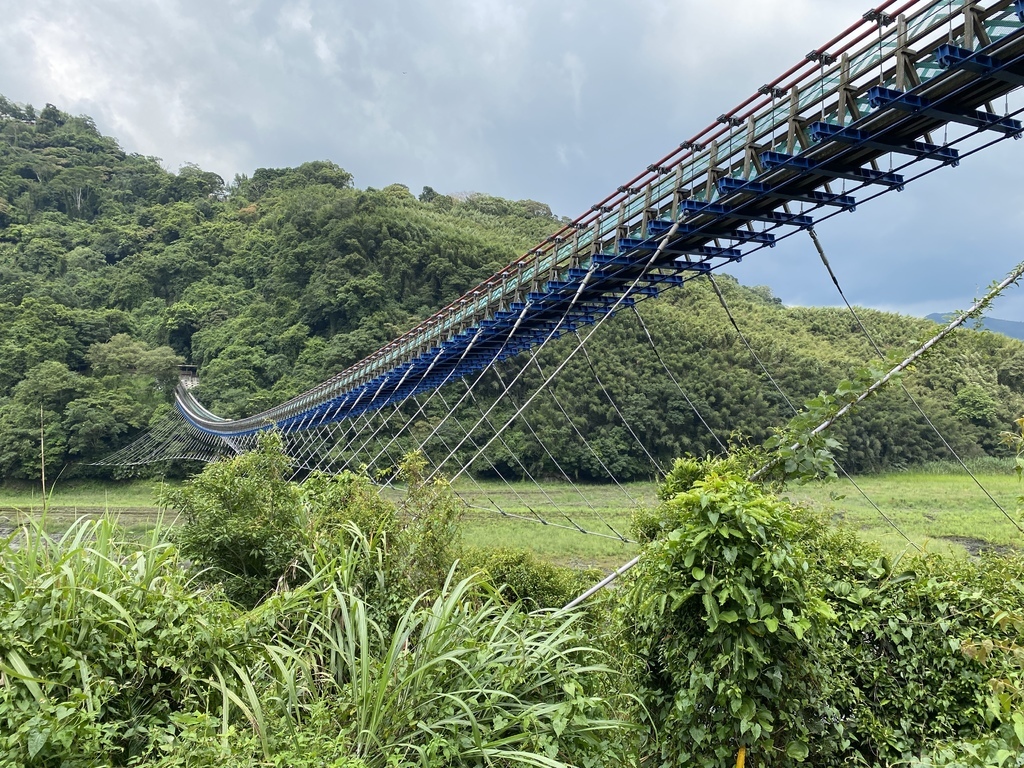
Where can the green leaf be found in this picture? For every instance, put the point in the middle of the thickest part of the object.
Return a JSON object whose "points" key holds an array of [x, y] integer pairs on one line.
{"points": [[1018, 727], [798, 750], [36, 741]]}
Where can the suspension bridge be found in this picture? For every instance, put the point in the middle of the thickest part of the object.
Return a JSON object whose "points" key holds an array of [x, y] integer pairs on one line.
{"points": [[910, 89]]}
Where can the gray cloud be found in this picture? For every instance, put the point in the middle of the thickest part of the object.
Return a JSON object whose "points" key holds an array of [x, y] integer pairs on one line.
{"points": [[558, 101]]}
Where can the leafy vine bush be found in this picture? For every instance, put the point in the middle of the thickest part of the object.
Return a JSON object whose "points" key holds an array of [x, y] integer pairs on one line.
{"points": [[649, 523], [914, 686], [758, 625], [723, 625]]}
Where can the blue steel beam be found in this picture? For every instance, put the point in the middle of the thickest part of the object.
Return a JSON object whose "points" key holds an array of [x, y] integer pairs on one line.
{"points": [[728, 186], [820, 132], [952, 57], [725, 212], [863, 175], [975, 118]]}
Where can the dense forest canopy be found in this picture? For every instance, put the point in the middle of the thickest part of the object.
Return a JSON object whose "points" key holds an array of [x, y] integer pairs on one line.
{"points": [[113, 271]]}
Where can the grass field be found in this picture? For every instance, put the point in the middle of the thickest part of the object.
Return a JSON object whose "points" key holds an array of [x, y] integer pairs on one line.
{"points": [[134, 502], [940, 512], [603, 511]]}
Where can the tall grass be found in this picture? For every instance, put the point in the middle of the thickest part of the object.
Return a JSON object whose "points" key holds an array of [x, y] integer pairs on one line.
{"points": [[103, 645], [110, 654], [979, 465], [457, 678]]}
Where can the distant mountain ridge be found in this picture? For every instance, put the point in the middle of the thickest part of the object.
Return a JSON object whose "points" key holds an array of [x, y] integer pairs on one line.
{"points": [[1012, 328]]}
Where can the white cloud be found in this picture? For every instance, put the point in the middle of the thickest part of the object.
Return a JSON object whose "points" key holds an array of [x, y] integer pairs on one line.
{"points": [[323, 52], [297, 17], [575, 71]]}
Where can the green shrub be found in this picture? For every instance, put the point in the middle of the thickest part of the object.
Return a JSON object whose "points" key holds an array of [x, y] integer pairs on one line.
{"points": [[921, 649], [333, 502], [521, 576], [741, 460], [415, 540], [314, 743], [723, 623], [431, 539], [1004, 749], [242, 521], [903, 651], [246, 525], [912, 662], [649, 524]]}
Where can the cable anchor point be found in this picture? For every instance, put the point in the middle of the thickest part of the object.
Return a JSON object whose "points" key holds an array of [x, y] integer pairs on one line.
{"points": [[883, 19], [821, 57], [771, 90]]}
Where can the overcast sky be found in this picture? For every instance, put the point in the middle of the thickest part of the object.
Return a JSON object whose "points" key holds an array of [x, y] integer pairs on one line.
{"points": [[559, 101]]}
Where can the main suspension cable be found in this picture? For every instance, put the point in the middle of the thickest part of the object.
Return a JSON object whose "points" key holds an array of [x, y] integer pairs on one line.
{"points": [[793, 408], [903, 386]]}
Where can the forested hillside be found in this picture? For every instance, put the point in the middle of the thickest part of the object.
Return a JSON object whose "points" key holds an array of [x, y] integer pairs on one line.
{"points": [[113, 271]]}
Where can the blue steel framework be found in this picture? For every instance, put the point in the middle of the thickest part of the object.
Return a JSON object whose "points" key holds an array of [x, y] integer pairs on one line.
{"points": [[885, 86]]}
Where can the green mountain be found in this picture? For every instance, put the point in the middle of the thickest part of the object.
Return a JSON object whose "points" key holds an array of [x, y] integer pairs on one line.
{"points": [[113, 271]]}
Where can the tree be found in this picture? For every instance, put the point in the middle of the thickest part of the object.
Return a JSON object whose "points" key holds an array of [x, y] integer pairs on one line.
{"points": [[77, 188], [49, 119], [37, 403]]}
